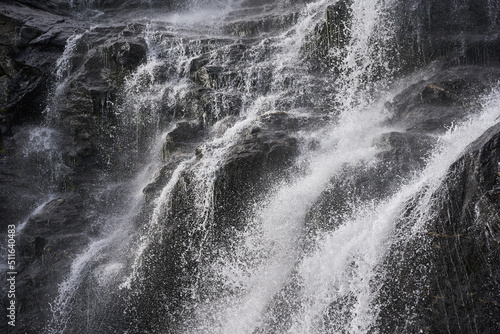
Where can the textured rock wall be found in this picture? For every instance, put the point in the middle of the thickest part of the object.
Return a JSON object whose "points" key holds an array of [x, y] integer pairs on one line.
{"points": [[451, 280], [460, 250]]}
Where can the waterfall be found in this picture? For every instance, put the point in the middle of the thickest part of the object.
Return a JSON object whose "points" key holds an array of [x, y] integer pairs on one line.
{"points": [[258, 269], [250, 167], [346, 265], [62, 74]]}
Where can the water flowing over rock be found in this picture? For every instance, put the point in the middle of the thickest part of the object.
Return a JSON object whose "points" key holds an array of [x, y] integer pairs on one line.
{"points": [[234, 166]]}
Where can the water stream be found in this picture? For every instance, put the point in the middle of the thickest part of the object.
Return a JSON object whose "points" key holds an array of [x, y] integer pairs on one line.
{"points": [[288, 267]]}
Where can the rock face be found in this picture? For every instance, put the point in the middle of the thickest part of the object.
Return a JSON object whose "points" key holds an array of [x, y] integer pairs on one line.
{"points": [[93, 99], [265, 152], [31, 41], [41, 158], [332, 34], [466, 228], [452, 269], [461, 33], [262, 152], [57, 231]]}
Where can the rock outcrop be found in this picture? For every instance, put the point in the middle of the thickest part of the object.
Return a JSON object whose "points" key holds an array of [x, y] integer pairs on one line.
{"points": [[193, 236], [449, 269]]}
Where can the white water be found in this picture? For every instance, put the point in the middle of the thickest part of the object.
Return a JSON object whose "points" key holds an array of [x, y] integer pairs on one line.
{"points": [[39, 209], [41, 145], [154, 228], [107, 252], [344, 265], [346, 261], [114, 260], [264, 261], [146, 94], [64, 67], [117, 245], [213, 151]]}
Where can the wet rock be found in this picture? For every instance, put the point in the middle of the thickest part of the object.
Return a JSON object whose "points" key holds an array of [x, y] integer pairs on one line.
{"points": [[254, 3], [260, 25], [208, 76], [401, 154], [43, 251], [262, 154], [463, 33], [185, 131], [182, 136], [31, 42], [409, 149], [190, 233], [198, 63], [450, 281], [206, 105], [191, 106], [288, 122], [161, 4], [117, 51], [334, 33], [60, 213], [51, 6], [235, 53], [26, 67], [95, 77], [129, 54], [161, 177], [482, 50], [434, 104], [189, 240], [435, 94], [43, 30], [215, 77]]}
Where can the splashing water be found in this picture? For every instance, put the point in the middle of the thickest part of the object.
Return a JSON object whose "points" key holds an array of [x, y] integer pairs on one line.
{"points": [[345, 264], [64, 68], [272, 241], [335, 275], [35, 212]]}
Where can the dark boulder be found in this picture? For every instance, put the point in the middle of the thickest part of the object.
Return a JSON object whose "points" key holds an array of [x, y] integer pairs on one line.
{"points": [[263, 153], [182, 137], [30, 43]]}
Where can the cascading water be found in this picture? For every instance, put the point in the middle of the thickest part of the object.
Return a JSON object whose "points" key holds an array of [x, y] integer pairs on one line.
{"points": [[252, 167]]}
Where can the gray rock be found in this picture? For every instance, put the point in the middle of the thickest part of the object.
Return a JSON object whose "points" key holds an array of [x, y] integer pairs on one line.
{"points": [[94, 146], [44, 246], [429, 30], [334, 33], [448, 96], [450, 271], [182, 138], [260, 25]]}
